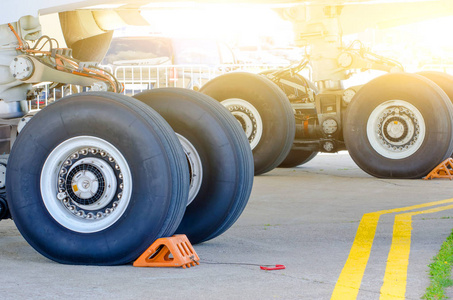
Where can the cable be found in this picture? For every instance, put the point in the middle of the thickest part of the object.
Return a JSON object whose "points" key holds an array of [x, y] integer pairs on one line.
{"points": [[21, 44], [74, 64], [48, 40], [233, 263]]}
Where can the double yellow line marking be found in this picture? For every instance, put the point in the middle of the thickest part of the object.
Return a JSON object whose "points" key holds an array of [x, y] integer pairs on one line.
{"points": [[394, 286]]}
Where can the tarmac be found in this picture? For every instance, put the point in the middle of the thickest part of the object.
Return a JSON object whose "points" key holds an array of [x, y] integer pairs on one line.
{"points": [[306, 218]]}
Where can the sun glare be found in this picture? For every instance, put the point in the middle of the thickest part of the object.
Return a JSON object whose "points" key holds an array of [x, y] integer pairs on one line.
{"points": [[225, 22], [420, 44], [415, 45]]}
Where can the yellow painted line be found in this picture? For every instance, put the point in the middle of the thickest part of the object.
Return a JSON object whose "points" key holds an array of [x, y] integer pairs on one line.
{"points": [[395, 277], [348, 284]]}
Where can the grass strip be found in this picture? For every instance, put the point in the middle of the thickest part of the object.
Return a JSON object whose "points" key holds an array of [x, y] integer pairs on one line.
{"points": [[440, 272]]}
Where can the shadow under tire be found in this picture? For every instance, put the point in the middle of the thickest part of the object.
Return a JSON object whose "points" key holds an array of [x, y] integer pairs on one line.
{"points": [[399, 126], [258, 103], [297, 157], [67, 150], [224, 152]]}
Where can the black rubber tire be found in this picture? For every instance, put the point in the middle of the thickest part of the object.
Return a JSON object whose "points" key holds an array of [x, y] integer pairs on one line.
{"points": [[157, 165], [4, 212], [294, 157], [297, 157], [443, 80], [435, 108], [225, 154], [273, 106]]}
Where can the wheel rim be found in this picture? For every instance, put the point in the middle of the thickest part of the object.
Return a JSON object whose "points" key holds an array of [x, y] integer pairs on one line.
{"points": [[195, 167], [249, 118], [86, 184], [396, 129]]}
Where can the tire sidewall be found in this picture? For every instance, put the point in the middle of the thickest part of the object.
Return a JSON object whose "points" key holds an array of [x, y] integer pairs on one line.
{"points": [[98, 117], [227, 171], [433, 105], [273, 107]]}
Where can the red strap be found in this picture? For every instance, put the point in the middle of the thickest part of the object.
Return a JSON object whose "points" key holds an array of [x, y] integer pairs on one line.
{"points": [[277, 267]]}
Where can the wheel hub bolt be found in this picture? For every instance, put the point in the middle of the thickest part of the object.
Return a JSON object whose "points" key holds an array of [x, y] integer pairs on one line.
{"points": [[86, 184]]}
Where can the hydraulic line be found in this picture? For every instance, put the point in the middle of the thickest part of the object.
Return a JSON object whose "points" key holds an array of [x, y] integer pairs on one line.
{"points": [[72, 65]]}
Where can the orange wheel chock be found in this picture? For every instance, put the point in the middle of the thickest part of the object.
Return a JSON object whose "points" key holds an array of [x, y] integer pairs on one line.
{"points": [[443, 170], [158, 254]]}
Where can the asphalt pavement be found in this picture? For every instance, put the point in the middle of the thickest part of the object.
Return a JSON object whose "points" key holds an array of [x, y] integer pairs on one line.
{"points": [[306, 218]]}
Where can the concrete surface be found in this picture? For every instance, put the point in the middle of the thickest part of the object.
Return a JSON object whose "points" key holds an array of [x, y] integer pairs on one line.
{"points": [[305, 218]]}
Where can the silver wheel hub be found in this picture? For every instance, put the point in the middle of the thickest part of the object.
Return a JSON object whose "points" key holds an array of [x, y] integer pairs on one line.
{"points": [[249, 118], [90, 183], [396, 129], [86, 184], [195, 167]]}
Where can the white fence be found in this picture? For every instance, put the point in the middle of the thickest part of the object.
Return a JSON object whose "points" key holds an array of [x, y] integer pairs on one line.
{"points": [[138, 78], [444, 68], [47, 94]]}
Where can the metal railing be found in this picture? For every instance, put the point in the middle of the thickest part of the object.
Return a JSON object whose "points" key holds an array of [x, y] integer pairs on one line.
{"points": [[445, 68], [45, 95], [138, 78]]}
